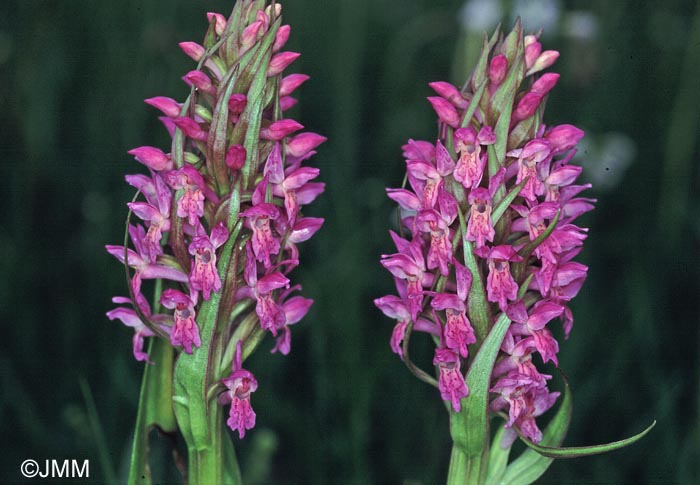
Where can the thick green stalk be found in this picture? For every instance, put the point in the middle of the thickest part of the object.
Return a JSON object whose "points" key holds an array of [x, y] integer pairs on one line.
{"points": [[216, 462], [199, 418], [458, 467], [198, 415]]}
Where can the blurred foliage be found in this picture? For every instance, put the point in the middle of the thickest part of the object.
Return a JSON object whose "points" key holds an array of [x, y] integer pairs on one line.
{"points": [[341, 408]]}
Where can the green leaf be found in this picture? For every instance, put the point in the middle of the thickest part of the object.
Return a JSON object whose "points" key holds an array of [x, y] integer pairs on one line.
{"points": [[479, 313], [500, 208], [498, 458], [522, 131], [232, 472], [470, 428], [98, 433], [513, 41], [216, 144], [473, 104], [247, 129], [578, 451], [519, 268], [503, 97], [155, 407], [210, 36], [232, 33], [530, 465], [479, 75], [177, 153], [504, 109], [190, 382]]}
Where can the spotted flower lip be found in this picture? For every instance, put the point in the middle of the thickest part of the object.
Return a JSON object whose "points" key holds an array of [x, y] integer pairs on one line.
{"points": [[204, 276], [185, 331], [265, 242], [240, 385], [451, 382], [488, 230]]}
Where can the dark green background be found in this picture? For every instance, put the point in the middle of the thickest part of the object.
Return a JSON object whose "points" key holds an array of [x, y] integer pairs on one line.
{"points": [[341, 407]]}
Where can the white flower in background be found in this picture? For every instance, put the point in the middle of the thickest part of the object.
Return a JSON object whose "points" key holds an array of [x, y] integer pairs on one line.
{"points": [[580, 25], [536, 14], [607, 157], [480, 15]]}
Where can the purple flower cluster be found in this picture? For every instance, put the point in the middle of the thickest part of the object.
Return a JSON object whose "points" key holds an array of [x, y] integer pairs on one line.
{"points": [[511, 214], [217, 190]]}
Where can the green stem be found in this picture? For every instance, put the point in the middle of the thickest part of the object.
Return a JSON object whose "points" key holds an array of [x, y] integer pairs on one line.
{"points": [[198, 414], [216, 462], [457, 472]]}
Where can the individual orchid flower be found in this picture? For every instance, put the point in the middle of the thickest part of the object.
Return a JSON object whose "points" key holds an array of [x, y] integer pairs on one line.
{"points": [[451, 383], [532, 326], [395, 307], [480, 225], [141, 262], [204, 276], [458, 330], [185, 331], [265, 242], [440, 252], [470, 167], [408, 265], [288, 185], [191, 203], [240, 384], [270, 313], [130, 318], [500, 284], [534, 152], [294, 308]]}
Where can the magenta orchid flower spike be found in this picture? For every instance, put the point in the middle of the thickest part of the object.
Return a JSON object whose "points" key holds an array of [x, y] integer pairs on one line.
{"points": [[218, 221], [484, 262]]}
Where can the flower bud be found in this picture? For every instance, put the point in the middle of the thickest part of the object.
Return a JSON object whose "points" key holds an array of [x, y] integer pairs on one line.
{"points": [[290, 83], [450, 93], [280, 61], [191, 128], [152, 157], [545, 83], [193, 50], [199, 80], [527, 106], [532, 52], [250, 36], [445, 111], [563, 137], [287, 102], [237, 103], [235, 157], [497, 70], [168, 106], [546, 59], [303, 143], [280, 129], [220, 26], [281, 37]]}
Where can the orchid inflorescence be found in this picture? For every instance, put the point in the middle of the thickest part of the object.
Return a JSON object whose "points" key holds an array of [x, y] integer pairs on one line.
{"points": [[221, 216], [487, 232]]}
